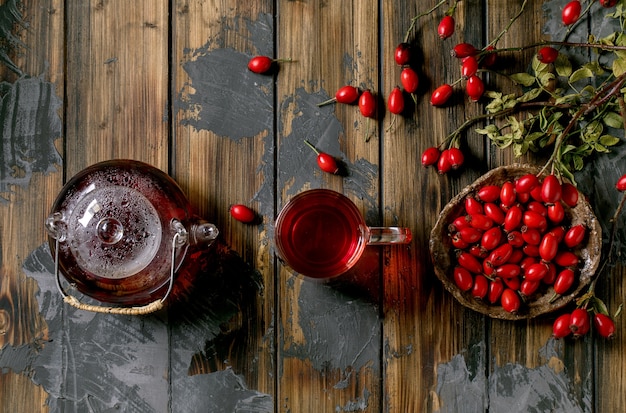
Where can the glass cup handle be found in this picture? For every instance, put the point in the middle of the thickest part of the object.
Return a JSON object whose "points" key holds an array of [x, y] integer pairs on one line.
{"points": [[389, 235]]}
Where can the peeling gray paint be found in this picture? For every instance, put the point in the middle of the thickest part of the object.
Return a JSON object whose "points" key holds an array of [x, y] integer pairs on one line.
{"points": [[339, 332], [510, 388], [99, 362], [223, 96], [30, 110]]}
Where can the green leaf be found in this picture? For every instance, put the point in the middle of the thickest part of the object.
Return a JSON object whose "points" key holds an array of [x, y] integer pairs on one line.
{"points": [[609, 140], [619, 66], [530, 95], [613, 120], [592, 132], [563, 66], [523, 79], [538, 67], [546, 78], [579, 74]]}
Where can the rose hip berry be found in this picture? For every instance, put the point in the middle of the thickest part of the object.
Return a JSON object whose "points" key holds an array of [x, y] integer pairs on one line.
{"points": [[409, 80], [474, 88], [547, 54], [621, 183], [441, 95], [604, 325], [560, 327], [242, 213], [446, 27], [345, 94], [579, 322], [462, 50], [402, 54], [430, 156], [456, 157], [469, 67], [571, 12], [325, 161], [395, 103], [260, 64], [367, 104], [510, 300]]}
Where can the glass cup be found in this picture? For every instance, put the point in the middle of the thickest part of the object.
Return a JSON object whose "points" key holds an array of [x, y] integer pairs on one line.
{"points": [[321, 233]]}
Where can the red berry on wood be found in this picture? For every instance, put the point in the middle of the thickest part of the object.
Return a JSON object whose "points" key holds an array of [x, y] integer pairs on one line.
{"points": [[456, 157], [395, 103], [605, 326], [474, 88], [579, 322], [441, 95], [462, 50], [402, 54], [430, 156], [326, 162], [409, 80], [242, 213], [367, 104], [345, 94], [446, 27], [560, 327], [469, 66]]}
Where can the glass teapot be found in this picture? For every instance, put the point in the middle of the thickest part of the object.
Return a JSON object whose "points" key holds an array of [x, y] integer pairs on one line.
{"points": [[119, 231]]}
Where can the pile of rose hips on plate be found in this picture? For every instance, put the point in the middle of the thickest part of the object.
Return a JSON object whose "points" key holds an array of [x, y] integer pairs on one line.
{"points": [[515, 240]]}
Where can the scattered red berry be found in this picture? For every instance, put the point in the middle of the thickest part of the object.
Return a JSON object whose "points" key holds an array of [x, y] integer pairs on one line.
{"points": [[475, 88], [441, 95], [547, 54], [605, 326], [462, 50], [395, 102], [579, 322], [443, 163], [571, 12], [402, 54], [621, 184], [345, 94], [456, 157], [569, 194], [260, 64], [430, 156], [367, 104], [560, 328], [469, 66], [446, 27], [325, 161], [242, 213], [409, 80]]}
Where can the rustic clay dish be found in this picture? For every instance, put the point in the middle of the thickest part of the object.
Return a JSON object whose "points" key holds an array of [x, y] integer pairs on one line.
{"points": [[442, 252]]}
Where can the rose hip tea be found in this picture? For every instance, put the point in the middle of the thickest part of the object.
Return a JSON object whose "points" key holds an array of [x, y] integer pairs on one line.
{"points": [[321, 234]]}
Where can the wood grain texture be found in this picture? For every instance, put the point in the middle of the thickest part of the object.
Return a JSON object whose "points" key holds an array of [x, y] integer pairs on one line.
{"points": [[166, 83]]}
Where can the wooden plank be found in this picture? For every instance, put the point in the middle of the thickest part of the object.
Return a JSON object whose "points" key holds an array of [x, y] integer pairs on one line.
{"points": [[434, 346], [329, 341], [30, 106], [223, 154], [117, 90], [116, 107]]}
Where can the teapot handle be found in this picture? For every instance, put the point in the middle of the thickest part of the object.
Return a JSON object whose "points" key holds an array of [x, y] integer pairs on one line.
{"points": [[137, 310]]}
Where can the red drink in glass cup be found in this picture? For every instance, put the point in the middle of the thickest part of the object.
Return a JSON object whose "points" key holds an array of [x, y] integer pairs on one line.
{"points": [[321, 234]]}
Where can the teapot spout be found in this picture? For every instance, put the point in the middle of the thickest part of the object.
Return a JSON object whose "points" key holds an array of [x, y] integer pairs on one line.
{"points": [[203, 233]]}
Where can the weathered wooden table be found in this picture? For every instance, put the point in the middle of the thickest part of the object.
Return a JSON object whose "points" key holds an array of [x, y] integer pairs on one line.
{"points": [[165, 82]]}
